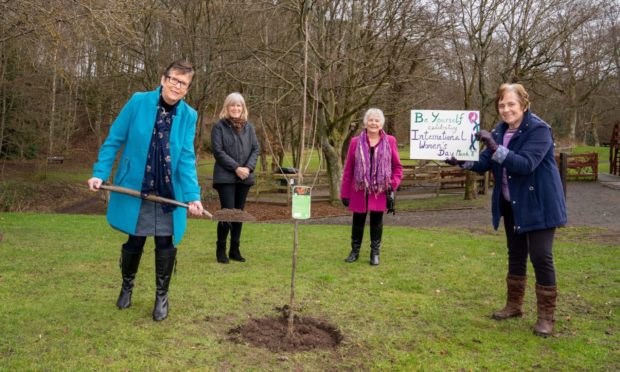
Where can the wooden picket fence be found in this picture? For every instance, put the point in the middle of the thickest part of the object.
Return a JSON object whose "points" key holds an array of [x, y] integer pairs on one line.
{"points": [[427, 178], [580, 167]]}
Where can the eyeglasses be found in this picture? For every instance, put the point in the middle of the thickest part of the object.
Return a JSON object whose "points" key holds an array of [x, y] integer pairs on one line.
{"points": [[176, 82]]}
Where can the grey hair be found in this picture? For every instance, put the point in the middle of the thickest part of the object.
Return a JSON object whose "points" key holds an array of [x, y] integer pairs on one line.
{"points": [[233, 98], [374, 111]]}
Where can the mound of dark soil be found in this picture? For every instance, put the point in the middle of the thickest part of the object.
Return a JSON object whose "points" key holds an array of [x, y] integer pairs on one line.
{"points": [[272, 333]]}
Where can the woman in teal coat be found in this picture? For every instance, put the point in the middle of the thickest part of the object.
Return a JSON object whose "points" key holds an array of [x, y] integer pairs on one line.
{"points": [[155, 134]]}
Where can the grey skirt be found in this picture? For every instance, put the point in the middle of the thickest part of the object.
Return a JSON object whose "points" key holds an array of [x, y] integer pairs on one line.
{"points": [[153, 221]]}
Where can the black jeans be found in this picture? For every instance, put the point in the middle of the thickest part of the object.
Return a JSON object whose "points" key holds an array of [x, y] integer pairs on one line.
{"points": [[232, 195], [538, 244], [376, 223], [135, 244]]}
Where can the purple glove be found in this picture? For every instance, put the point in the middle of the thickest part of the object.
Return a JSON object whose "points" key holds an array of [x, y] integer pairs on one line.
{"points": [[454, 162], [487, 139]]}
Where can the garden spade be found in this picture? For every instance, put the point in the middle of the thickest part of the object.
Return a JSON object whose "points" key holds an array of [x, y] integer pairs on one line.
{"points": [[224, 215]]}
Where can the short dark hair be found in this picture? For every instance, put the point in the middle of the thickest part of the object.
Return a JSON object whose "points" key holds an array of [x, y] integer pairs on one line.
{"points": [[181, 65]]}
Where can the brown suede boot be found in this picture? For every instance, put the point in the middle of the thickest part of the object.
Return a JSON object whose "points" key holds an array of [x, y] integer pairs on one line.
{"points": [[545, 301], [514, 298]]}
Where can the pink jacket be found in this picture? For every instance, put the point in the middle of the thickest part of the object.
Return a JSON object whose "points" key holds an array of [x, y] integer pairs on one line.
{"points": [[357, 199]]}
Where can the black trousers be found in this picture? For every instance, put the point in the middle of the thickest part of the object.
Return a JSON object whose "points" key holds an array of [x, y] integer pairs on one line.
{"points": [[135, 244], [232, 195], [538, 244], [376, 223]]}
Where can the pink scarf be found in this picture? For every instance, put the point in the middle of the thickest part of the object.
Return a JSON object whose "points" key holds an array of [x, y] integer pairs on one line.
{"points": [[374, 177]]}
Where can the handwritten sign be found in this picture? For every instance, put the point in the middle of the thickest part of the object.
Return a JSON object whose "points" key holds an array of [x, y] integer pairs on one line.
{"points": [[441, 134]]}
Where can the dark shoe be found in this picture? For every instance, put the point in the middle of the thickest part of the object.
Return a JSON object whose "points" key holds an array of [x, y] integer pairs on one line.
{"points": [[129, 263], [545, 301], [220, 252], [514, 298], [376, 233], [164, 264], [357, 234], [234, 253]]}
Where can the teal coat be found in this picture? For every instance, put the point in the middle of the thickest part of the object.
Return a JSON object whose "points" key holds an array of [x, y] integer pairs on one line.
{"points": [[131, 134]]}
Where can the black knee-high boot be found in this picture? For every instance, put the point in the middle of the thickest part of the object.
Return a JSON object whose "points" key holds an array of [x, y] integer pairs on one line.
{"points": [[129, 262], [357, 235], [164, 264], [375, 243]]}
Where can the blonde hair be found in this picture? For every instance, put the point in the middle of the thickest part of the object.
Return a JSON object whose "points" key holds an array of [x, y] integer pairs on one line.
{"points": [[517, 89], [234, 98], [374, 111]]}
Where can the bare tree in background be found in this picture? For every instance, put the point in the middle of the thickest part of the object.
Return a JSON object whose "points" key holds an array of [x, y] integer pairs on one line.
{"points": [[393, 54], [475, 28], [584, 64], [355, 48]]}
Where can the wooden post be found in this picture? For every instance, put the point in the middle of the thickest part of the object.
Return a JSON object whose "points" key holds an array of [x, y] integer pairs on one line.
{"points": [[300, 180], [563, 170], [291, 312], [595, 165], [486, 183], [438, 189]]}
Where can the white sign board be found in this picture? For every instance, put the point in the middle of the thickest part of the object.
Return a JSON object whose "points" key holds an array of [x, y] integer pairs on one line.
{"points": [[441, 134]]}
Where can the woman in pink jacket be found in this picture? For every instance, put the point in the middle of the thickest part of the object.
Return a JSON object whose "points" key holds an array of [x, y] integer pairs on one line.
{"points": [[372, 169]]}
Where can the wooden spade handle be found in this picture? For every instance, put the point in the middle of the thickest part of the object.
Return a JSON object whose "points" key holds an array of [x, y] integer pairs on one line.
{"points": [[153, 198]]}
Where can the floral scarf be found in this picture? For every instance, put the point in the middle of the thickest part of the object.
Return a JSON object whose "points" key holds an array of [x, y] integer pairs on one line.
{"points": [[373, 172], [158, 173]]}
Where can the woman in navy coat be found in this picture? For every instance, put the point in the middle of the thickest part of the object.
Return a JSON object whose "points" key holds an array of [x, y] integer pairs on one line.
{"points": [[528, 193], [155, 134]]}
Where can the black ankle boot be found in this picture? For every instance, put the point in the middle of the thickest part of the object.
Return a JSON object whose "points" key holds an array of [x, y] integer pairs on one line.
{"points": [[234, 253], [220, 252], [129, 262], [357, 234], [164, 264], [375, 243], [355, 252]]}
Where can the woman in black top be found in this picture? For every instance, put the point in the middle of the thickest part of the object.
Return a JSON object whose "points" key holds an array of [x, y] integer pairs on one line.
{"points": [[235, 147]]}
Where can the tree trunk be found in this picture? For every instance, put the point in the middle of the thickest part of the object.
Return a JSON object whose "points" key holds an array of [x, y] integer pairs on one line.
{"points": [[334, 168], [572, 115], [4, 98], [50, 141], [331, 144], [594, 129], [471, 186], [98, 120], [263, 149], [73, 123]]}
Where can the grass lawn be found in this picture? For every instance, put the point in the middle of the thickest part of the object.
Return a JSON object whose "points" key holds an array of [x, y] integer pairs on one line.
{"points": [[426, 307]]}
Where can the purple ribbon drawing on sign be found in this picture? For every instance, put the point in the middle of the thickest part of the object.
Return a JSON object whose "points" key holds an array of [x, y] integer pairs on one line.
{"points": [[473, 118]]}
